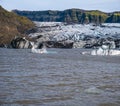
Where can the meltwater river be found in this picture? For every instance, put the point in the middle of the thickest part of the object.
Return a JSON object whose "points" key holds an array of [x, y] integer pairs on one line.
{"points": [[61, 78]]}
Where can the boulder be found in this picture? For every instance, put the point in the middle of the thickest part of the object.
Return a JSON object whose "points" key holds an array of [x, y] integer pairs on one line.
{"points": [[21, 43]]}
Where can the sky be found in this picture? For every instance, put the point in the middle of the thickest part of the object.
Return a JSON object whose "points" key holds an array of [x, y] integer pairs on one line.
{"points": [[39, 5]]}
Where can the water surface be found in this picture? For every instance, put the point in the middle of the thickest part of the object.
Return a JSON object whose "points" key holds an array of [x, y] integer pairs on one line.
{"points": [[65, 78]]}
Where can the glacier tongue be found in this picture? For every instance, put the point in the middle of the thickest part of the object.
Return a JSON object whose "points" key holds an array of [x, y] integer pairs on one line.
{"points": [[57, 29], [83, 35]]}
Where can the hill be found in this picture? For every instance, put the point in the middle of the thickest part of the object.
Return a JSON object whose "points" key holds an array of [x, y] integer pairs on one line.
{"points": [[72, 16], [12, 25]]}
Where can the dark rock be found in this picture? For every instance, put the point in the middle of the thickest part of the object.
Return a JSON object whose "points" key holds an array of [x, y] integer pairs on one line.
{"points": [[117, 43], [88, 46], [54, 44], [95, 43], [32, 30], [3, 45], [20, 43]]}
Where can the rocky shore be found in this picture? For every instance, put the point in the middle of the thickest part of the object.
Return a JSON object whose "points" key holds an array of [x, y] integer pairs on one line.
{"points": [[62, 35]]}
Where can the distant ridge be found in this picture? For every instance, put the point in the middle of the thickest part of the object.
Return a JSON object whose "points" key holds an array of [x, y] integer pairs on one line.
{"points": [[72, 16]]}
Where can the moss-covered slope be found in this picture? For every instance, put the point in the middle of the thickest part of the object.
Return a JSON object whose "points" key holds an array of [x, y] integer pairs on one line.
{"points": [[12, 25]]}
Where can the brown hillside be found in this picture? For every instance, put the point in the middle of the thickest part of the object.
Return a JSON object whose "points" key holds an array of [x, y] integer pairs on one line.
{"points": [[12, 25]]}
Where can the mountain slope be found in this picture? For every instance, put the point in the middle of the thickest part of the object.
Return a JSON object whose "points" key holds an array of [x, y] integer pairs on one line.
{"points": [[72, 16], [12, 25]]}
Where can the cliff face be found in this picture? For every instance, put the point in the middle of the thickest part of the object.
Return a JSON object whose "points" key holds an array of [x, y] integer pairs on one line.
{"points": [[72, 16], [12, 25]]}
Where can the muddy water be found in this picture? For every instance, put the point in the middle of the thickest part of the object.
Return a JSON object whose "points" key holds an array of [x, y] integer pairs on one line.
{"points": [[62, 78]]}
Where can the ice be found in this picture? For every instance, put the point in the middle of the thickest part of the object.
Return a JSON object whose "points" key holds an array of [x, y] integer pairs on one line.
{"points": [[93, 90], [74, 31]]}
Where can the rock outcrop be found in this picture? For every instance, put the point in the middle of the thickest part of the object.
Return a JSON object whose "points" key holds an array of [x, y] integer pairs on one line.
{"points": [[21, 43], [72, 16]]}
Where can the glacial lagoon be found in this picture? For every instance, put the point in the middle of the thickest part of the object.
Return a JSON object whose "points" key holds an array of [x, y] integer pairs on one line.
{"points": [[63, 78]]}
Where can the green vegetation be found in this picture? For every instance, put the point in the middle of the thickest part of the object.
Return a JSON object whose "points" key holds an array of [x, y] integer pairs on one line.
{"points": [[72, 16], [114, 17], [96, 16], [12, 25]]}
